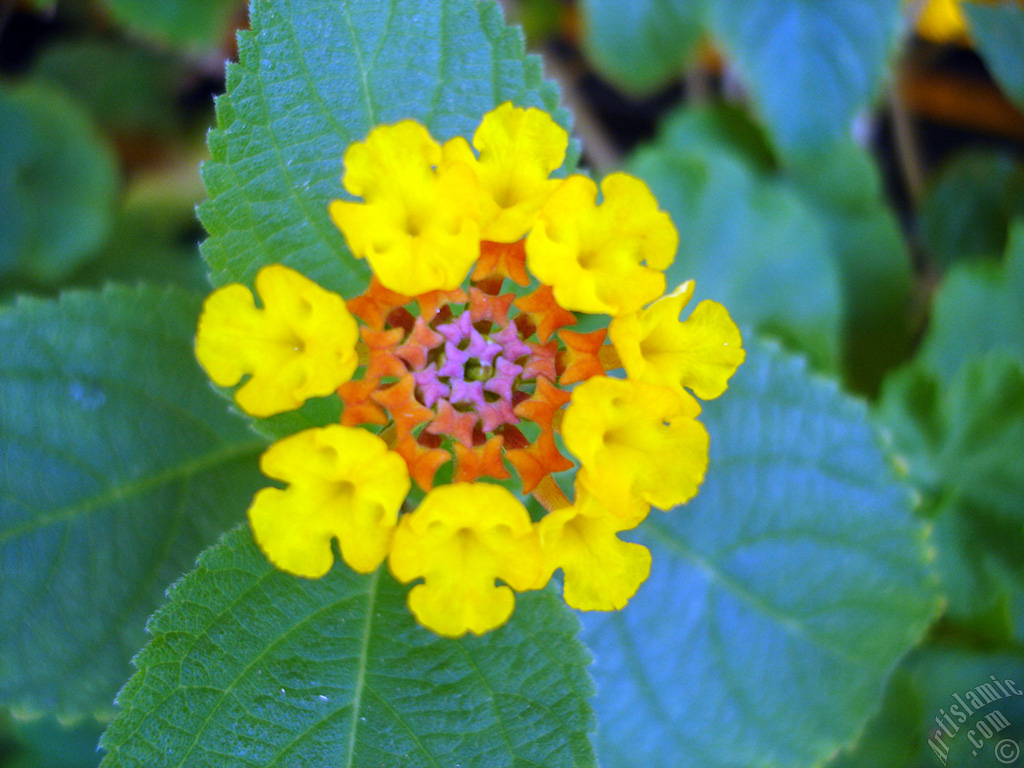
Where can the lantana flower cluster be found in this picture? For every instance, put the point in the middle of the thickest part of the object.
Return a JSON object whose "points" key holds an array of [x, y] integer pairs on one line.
{"points": [[465, 383]]}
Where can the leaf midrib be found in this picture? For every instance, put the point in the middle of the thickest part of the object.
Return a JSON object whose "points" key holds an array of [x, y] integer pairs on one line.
{"points": [[716, 576], [134, 488], [357, 698]]}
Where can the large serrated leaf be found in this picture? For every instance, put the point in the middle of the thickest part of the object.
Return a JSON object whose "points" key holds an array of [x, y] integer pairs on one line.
{"points": [[58, 182], [314, 76], [779, 599], [119, 465], [250, 666], [811, 64]]}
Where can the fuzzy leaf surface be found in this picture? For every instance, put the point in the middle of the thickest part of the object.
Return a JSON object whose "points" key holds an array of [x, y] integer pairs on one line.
{"points": [[779, 599], [314, 76], [250, 666], [120, 465]]}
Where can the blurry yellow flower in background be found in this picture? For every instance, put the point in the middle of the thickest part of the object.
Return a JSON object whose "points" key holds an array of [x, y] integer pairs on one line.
{"points": [[942, 21]]}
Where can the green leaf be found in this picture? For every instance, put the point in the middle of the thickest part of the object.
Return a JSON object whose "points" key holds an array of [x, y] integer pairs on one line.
{"points": [[963, 446], [44, 743], [891, 737], [844, 187], [955, 415], [998, 32], [155, 239], [978, 308], [197, 24], [250, 666], [810, 64], [641, 45], [718, 128], [58, 181], [1017, 615], [967, 211], [314, 76], [120, 465], [965, 439], [748, 241], [779, 599], [977, 556], [928, 717], [126, 89]]}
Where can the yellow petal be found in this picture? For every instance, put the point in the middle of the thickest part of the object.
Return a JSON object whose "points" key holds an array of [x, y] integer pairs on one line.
{"points": [[701, 353], [395, 160], [301, 344], [344, 484], [606, 258], [461, 540], [601, 572], [519, 149], [419, 225], [636, 441]]}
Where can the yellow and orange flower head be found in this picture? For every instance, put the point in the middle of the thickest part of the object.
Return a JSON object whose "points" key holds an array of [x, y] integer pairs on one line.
{"points": [[464, 365]]}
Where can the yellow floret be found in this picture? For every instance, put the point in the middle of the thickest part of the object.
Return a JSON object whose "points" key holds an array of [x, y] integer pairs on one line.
{"points": [[301, 344], [519, 149], [701, 353], [344, 484], [636, 442], [601, 572], [942, 21], [419, 225], [602, 258], [460, 540]]}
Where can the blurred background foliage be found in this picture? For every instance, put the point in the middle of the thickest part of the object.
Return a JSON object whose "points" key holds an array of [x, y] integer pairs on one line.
{"points": [[845, 176]]}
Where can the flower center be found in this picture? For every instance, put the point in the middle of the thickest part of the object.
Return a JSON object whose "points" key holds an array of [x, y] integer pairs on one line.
{"points": [[459, 374], [476, 370]]}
